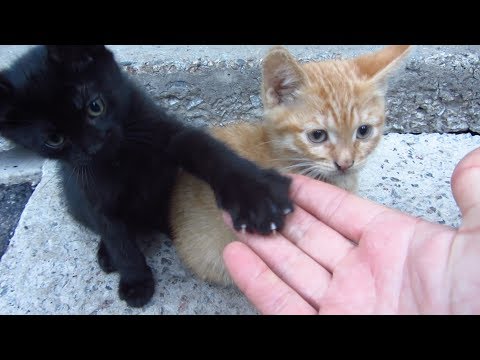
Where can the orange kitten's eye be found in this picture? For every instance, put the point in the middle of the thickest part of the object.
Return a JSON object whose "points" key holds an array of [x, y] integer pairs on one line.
{"points": [[364, 131], [96, 107], [317, 136]]}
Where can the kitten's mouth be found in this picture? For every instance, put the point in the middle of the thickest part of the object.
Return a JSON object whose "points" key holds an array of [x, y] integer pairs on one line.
{"points": [[346, 172]]}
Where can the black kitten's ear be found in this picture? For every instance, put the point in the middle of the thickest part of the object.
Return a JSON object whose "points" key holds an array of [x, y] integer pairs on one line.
{"points": [[76, 54]]}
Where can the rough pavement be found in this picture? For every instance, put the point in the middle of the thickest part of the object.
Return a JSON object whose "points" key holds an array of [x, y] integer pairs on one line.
{"points": [[13, 199]]}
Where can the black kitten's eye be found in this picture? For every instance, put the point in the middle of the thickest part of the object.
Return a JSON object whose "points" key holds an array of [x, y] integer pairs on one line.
{"points": [[364, 131], [96, 107], [55, 141], [317, 136]]}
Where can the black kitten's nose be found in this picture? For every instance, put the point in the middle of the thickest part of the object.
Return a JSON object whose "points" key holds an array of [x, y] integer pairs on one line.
{"points": [[344, 165]]}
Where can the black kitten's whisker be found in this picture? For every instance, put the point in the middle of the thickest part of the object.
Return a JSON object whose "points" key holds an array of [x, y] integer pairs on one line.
{"points": [[84, 178], [92, 177], [70, 176], [77, 181]]}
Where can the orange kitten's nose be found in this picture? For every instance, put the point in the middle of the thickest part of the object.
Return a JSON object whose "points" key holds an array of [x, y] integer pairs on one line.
{"points": [[344, 165]]}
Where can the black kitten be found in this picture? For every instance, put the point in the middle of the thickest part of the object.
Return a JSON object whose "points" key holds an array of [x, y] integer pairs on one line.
{"points": [[75, 104]]}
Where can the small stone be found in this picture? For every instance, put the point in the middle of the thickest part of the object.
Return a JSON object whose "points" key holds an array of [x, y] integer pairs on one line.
{"points": [[255, 101], [166, 261], [194, 103]]}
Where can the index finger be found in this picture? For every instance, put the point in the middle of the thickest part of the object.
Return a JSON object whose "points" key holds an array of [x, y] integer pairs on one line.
{"points": [[267, 292], [345, 212]]}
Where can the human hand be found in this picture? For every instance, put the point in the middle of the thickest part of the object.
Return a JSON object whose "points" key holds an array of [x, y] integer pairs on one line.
{"points": [[340, 254]]}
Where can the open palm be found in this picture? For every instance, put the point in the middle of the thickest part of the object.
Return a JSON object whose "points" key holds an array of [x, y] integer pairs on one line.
{"points": [[340, 254]]}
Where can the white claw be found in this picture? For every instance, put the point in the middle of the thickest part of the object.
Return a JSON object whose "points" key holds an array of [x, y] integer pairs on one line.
{"points": [[243, 228], [287, 211], [273, 227]]}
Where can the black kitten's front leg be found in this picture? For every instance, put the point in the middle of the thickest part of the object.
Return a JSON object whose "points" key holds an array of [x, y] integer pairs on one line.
{"points": [[118, 251], [257, 199], [104, 259]]}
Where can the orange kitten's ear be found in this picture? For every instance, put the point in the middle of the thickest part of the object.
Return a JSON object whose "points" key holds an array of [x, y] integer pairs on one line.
{"points": [[282, 77], [379, 65]]}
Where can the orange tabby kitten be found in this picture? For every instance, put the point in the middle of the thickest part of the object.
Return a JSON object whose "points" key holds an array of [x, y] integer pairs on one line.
{"points": [[322, 119]]}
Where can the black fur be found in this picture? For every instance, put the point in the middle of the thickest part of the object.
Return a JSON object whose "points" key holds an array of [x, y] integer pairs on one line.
{"points": [[118, 166]]}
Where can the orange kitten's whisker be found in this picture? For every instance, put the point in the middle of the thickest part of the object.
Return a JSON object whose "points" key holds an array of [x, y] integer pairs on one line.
{"points": [[307, 171], [296, 166], [318, 173], [296, 160], [314, 172], [291, 159], [269, 142]]}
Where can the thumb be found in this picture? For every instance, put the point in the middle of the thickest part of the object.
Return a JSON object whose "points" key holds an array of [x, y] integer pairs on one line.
{"points": [[466, 188]]}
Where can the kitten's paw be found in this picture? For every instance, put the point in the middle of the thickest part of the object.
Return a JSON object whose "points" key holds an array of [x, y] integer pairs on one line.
{"points": [[257, 204], [137, 292], [104, 259]]}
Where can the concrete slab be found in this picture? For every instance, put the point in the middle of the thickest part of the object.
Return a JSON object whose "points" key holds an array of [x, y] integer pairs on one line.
{"points": [[19, 166], [412, 173], [50, 265]]}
